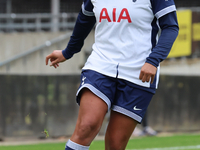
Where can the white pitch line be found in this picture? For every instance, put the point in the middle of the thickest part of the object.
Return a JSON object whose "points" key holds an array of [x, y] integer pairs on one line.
{"points": [[172, 148]]}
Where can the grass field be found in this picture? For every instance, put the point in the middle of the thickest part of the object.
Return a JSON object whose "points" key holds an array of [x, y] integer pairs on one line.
{"points": [[176, 142]]}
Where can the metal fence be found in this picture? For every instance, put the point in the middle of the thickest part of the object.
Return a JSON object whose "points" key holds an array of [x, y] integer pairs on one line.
{"points": [[44, 6], [36, 48], [36, 22], [48, 15], [38, 6]]}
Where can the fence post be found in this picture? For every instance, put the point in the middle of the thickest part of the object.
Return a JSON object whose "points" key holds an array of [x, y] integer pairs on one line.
{"points": [[64, 21], [9, 11], [38, 23], [24, 24], [55, 10]]}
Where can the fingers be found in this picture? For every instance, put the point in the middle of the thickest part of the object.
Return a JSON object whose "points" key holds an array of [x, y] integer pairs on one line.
{"points": [[152, 78], [54, 62], [56, 65], [50, 57], [147, 73], [146, 77], [141, 76], [47, 58], [55, 58]]}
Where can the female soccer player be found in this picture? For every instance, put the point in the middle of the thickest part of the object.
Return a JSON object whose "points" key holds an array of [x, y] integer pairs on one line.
{"points": [[131, 38]]}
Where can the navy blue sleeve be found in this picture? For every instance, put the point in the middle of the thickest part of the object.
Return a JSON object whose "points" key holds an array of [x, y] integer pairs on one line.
{"points": [[169, 32], [162, 7], [87, 8], [83, 26]]}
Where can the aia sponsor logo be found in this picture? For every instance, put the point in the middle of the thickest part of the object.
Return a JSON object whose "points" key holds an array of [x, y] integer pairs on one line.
{"points": [[124, 15]]}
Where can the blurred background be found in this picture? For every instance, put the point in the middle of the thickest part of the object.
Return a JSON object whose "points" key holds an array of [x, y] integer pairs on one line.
{"points": [[34, 97]]}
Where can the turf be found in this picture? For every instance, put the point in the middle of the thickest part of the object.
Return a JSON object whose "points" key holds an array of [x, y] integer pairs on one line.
{"points": [[136, 143]]}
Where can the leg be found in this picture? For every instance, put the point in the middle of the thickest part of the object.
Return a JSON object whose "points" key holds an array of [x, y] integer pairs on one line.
{"points": [[91, 114], [119, 131], [146, 128], [145, 121]]}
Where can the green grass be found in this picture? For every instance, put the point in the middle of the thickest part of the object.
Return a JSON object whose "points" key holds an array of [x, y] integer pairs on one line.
{"points": [[164, 142], [136, 143]]}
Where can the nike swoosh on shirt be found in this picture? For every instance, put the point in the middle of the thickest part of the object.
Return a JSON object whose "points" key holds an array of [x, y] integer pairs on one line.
{"points": [[136, 108]]}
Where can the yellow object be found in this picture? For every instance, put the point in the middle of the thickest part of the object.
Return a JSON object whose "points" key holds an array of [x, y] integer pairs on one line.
{"points": [[196, 31], [183, 44]]}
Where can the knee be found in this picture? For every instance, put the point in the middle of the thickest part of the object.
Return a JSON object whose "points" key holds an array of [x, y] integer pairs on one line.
{"points": [[115, 146], [87, 128], [115, 143]]}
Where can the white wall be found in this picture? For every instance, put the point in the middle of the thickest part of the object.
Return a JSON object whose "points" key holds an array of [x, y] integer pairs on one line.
{"points": [[16, 43], [181, 67]]}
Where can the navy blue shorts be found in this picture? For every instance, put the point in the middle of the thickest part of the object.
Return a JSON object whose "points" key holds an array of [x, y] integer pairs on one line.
{"points": [[118, 94]]}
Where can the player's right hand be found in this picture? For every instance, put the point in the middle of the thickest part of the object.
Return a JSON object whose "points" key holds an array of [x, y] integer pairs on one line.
{"points": [[55, 57]]}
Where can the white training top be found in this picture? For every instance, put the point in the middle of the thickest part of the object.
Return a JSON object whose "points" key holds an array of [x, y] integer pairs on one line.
{"points": [[123, 36]]}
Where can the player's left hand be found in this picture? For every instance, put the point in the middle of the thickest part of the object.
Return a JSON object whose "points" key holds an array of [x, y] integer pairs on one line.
{"points": [[147, 73]]}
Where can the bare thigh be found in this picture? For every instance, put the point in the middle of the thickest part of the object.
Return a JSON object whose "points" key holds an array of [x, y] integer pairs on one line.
{"points": [[91, 115], [119, 131]]}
